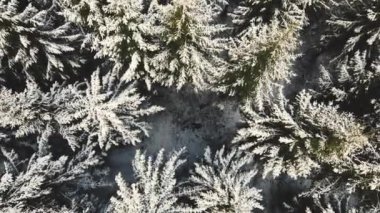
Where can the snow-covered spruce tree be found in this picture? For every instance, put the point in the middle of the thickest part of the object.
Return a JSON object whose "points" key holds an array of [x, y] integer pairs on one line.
{"points": [[36, 42], [156, 189], [189, 50], [119, 31], [326, 203], [88, 14], [351, 79], [39, 210], [263, 11], [224, 183], [262, 56], [27, 112], [300, 137], [109, 111], [354, 86], [46, 182], [356, 24], [332, 202]]}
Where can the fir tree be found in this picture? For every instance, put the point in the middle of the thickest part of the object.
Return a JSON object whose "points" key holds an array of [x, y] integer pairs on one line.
{"points": [[262, 56], [101, 110], [35, 42], [323, 133], [156, 186], [189, 51], [356, 24], [299, 138], [351, 79], [248, 12], [224, 181], [110, 113], [42, 181], [26, 112], [119, 31]]}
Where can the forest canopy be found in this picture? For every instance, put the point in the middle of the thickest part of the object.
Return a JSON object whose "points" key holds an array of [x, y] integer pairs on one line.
{"points": [[81, 80]]}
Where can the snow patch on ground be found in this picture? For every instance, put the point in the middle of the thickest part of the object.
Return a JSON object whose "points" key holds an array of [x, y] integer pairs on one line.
{"points": [[192, 120]]}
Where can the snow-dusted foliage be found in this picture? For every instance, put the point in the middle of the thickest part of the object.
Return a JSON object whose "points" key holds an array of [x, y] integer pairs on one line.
{"points": [[352, 79], [305, 75], [354, 84], [39, 210], [33, 113], [188, 51], [326, 203], [119, 31], [108, 112], [32, 183], [112, 114], [224, 183], [356, 23], [35, 42], [298, 138], [156, 186], [83, 12], [331, 203], [263, 55], [171, 44], [26, 112], [264, 11]]}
